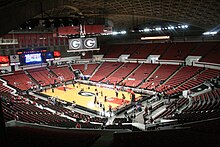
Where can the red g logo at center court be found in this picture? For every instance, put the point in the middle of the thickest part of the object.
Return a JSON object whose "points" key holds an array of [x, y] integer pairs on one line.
{"points": [[84, 93]]}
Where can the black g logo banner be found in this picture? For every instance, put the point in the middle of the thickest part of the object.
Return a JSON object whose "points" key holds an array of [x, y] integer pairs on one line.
{"points": [[90, 42], [82, 43], [75, 44]]}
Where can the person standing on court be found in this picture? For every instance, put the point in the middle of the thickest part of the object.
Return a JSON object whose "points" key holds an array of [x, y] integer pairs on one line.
{"points": [[116, 93], [64, 87], [103, 109], [110, 110], [123, 97], [95, 99], [73, 82]]}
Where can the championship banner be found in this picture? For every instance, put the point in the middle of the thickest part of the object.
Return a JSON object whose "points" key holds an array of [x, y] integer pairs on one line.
{"points": [[82, 44], [14, 60]]}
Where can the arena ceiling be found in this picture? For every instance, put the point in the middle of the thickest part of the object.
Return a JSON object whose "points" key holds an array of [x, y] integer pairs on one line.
{"points": [[123, 14], [129, 13]]}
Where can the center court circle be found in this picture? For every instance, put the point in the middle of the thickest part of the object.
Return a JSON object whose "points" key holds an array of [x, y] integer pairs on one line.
{"points": [[84, 93]]}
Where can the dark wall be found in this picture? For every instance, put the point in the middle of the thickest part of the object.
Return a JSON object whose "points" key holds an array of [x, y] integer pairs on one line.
{"points": [[29, 136], [177, 138]]}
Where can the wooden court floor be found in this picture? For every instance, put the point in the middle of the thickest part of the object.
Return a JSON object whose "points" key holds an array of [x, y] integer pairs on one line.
{"points": [[71, 94]]}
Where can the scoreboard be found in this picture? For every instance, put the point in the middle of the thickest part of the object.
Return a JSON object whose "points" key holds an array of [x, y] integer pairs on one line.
{"points": [[36, 56], [29, 56]]}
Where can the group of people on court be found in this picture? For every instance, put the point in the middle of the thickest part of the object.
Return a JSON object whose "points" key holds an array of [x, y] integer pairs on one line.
{"points": [[97, 101], [101, 105]]}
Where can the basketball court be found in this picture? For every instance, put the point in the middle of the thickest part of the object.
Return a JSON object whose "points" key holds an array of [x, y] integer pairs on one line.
{"points": [[84, 95]]}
